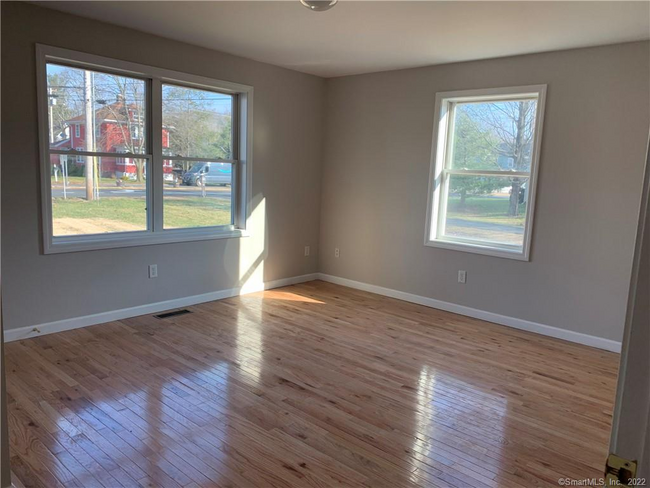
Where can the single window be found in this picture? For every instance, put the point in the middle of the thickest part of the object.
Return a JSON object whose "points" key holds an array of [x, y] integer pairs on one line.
{"points": [[86, 201], [143, 114], [483, 170], [200, 126]]}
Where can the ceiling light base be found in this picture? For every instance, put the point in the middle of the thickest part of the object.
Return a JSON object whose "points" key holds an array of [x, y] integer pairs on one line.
{"points": [[319, 5]]}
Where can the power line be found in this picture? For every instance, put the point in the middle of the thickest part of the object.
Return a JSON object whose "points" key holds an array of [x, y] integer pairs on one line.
{"points": [[72, 87]]}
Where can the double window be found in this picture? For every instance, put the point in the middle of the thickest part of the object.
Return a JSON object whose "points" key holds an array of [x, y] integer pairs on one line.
{"points": [[162, 157], [483, 171]]}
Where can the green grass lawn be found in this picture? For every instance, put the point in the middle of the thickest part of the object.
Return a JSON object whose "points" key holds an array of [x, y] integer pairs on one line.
{"points": [[129, 210], [103, 182], [485, 209], [81, 181], [178, 212], [196, 212]]}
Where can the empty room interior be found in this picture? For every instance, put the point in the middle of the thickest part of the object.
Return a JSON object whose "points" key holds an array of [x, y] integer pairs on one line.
{"points": [[332, 243]]}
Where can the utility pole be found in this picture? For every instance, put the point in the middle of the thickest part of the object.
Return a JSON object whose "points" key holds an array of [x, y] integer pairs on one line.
{"points": [[89, 136], [51, 101]]}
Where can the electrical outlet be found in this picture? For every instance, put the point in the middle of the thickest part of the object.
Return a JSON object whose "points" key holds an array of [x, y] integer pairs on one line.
{"points": [[337, 253], [153, 271], [307, 250], [462, 276]]}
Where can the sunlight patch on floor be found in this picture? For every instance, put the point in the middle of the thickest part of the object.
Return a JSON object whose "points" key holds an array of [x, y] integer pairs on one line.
{"points": [[287, 296]]}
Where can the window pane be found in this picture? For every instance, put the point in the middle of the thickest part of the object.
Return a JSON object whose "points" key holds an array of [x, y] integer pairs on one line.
{"points": [[114, 106], [113, 200], [197, 194], [496, 136], [487, 209], [197, 123]]}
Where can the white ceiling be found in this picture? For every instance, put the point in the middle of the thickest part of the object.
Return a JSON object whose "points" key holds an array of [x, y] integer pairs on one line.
{"points": [[365, 36]]}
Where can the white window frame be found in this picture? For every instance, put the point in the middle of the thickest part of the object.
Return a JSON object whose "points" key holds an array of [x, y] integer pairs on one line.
{"points": [[77, 131], [154, 77], [438, 175]]}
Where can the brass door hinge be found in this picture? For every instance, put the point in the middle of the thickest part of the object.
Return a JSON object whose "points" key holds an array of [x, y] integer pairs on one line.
{"points": [[620, 472]]}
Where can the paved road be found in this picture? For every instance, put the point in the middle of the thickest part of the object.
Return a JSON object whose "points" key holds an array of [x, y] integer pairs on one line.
{"points": [[510, 229], [77, 192]]}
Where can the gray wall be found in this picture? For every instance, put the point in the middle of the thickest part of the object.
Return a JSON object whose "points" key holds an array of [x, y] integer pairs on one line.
{"points": [[287, 167], [372, 164], [376, 167]]}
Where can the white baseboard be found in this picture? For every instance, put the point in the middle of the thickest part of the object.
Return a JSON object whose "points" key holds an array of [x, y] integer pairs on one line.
{"points": [[547, 330], [103, 317]]}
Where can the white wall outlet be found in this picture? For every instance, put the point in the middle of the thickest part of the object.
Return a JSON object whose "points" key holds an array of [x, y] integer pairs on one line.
{"points": [[462, 276], [337, 253], [307, 250], [153, 271]]}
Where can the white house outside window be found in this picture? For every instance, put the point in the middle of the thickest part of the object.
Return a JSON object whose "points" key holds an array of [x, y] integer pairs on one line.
{"points": [[119, 191], [484, 169]]}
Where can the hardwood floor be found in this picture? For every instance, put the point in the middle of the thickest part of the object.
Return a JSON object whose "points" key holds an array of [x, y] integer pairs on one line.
{"points": [[310, 385]]}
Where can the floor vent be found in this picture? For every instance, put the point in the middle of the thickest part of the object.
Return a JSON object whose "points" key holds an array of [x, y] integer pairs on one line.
{"points": [[175, 313]]}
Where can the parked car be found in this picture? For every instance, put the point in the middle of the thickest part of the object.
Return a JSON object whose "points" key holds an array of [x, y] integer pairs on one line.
{"points": [[213, 174]]}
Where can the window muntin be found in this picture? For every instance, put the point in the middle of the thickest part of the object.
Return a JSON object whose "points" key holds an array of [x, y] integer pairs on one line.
{"points": [[484, 170], [159, 168]]}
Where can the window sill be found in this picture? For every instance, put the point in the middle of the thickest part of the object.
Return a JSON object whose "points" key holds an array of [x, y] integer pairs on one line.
{"points": [[519, 255], [135, 239]]}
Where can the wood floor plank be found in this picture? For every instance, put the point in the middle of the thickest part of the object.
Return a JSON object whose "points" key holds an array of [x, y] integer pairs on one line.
{"points": [[313, 385]]}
